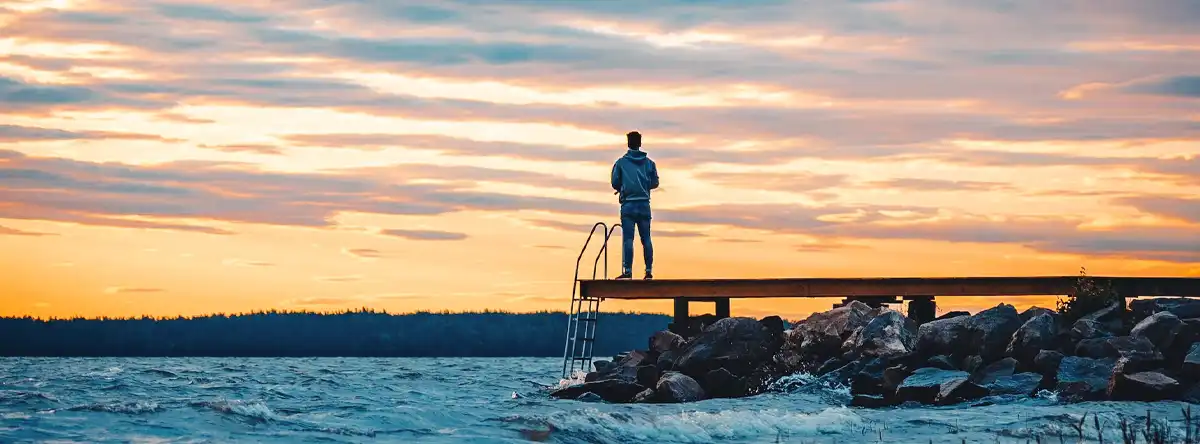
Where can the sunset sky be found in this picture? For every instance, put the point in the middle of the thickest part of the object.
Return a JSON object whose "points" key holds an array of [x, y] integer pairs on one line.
{"points": [[169, 158]]}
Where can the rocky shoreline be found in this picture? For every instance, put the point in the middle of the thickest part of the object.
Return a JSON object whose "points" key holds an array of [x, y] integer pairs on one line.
{"points": [[1149, 351]]}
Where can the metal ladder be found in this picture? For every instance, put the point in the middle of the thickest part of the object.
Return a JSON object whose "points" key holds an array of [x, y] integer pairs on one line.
{"points": [[584, 313]]}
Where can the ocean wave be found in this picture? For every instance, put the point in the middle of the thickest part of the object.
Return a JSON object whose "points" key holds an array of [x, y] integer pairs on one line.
{"points": [[160, 372], [124, 407], [255, 411], [8, 397], [698, 426]]}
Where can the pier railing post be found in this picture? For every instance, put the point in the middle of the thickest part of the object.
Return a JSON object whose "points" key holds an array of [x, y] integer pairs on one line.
{"points": [[921, 309], [680, 322], [722, 308]]}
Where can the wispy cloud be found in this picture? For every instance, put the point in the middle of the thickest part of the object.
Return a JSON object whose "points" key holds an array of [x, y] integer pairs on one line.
{"points": [[15, 232], [434, 235], [363, 253], [246, 263], [124, 290]]}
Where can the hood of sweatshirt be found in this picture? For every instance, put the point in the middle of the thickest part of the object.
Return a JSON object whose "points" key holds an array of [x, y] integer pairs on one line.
{"points": [[636, 156]]}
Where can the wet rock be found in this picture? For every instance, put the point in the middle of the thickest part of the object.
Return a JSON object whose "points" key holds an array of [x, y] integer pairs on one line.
{"points": [[589, 397], [952, 314], [869, 378], [1182, 308], [824, 333], [665, 341], [1084, 378], [611, 390], [720, 383], [1143, 386], [972, 363], [871, 401], [991, 330], [678, 387], [647, 375], [1109, 318], [842, 375], [1182, 344], [830, 365], [1023, 384], [1137, 350], [943, 337], [998, 369], [959, 390], [1095, 348], [924, 385], [1191, 394], [889, 334], [789, 360], [1038, 333], [942, 362], [737, 344], [1160, 328], [645, 396], [774, 325], [1032, 312], [1047, 362], [666, 361], [1191, 362], [603, 366], [894, 376]]}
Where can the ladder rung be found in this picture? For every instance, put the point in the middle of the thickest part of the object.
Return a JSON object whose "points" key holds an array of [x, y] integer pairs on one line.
{"points": [[581, 358], [587, 319]]}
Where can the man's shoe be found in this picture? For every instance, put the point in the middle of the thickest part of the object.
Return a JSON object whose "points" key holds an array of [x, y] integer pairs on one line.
{"points": [[625, 275], [648, 276]]}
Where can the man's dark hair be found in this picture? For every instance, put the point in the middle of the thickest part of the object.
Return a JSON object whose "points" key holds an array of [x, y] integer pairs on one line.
{"points": [[633, 139]]}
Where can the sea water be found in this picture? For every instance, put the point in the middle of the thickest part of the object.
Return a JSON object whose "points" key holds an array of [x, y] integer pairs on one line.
{"points": [[483, 400]]}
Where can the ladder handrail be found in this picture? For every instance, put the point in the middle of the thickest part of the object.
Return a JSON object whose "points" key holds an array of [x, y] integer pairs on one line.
{"points": [[568, 350], [604, 251]]}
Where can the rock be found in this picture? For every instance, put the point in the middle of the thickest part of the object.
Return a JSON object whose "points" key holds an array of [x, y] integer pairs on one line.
{"points": [[647, 375], [1191, 395], [1143, 386], [972, 363], [1183, 308], [645, 396], [924, 385], [1034, 311], [1109, 318], [991, 330], [589, 397], [869, 378], [789, 360], [678, 387], [998, 369], [942, 362], [830, 365], [1047, 362], [1023, 384], [842, 375], [1084, 329], [871, 401], [603, 366], [665, 341], [720, 383], [774, 325], [1191, 362], [824, 333], [943, 337], [1036, 334], [1160, 328], [666, 361], [1084, 378], [959, 390], [737, 344], [889, 334], [611, 390], [1137, 350], [1182, 344], [952, 314], [894, 376], [1095, 348]]}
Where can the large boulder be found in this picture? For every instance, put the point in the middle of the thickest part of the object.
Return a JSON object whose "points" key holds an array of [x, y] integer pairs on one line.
{"points": [[1160, 328], [1036, 334], [952, 314], [989, 373], [1047, 362], [991, 330], [720, 383], [665, 341], [611, 390], [869, 378], [925, 385], [959, 390], [1110, 318], [1023, 384], [942, 362], [889, 334], [1143, 386], [824, 333], [1084, 329], [1084, 378], [1183, 308], [1034, 311], [1191, 363], [943, 337], [739, 345], [678, 387], [1139, 353], [1181, 345]]}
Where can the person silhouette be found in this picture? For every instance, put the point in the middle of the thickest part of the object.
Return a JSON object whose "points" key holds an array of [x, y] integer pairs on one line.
{"points": [[633, 176]]}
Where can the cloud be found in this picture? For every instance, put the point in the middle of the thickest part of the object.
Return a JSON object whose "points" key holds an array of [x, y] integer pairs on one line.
{"points": [[1187, 86], [424, 234], [246, 263], [251, 148], [15, 232], [349, 278], [365, 253], [198, 12], [916, 184], [795, 182], [14, 133], [125, 290], [1182, 208]]}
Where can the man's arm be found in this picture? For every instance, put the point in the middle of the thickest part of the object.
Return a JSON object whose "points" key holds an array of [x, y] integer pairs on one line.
{"points": [[653, 175], [616, 177]]}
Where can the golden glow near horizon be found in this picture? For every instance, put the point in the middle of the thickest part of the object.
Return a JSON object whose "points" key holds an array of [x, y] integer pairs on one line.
{"points": [[169, 158]]}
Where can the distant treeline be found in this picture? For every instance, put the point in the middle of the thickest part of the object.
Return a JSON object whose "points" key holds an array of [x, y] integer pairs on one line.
{"points": [[351, 333]]}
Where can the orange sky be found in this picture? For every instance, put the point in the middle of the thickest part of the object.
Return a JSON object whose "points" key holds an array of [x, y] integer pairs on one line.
{"points": [[186, 158]]}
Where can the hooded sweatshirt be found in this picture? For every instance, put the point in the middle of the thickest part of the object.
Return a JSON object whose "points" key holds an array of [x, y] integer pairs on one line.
{"points": [[633, 176]]}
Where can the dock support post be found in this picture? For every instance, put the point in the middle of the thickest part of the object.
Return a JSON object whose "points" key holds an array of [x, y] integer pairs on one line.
{"points": [[722, 308], [921, 309], [681, 317]]}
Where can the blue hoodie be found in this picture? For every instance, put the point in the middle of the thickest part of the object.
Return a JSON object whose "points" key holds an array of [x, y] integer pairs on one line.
{"points": [[633, 176]]}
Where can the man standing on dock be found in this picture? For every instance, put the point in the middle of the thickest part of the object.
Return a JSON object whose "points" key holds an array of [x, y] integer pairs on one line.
{"points": [[633, 176]]}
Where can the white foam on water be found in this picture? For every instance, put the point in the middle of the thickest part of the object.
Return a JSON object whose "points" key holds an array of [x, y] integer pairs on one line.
{"points": [[255, 410], [698, 426], [579, 377]]}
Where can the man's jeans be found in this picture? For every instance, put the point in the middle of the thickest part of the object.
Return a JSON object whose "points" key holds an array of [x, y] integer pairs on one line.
{"points": [[635, 214]]}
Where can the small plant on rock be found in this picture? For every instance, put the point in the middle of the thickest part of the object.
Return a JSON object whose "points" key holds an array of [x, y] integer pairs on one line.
{"points": [[1088, 296]]}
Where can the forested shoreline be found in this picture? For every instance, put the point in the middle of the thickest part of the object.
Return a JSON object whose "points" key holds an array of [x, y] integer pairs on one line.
{"points": [[350, 333]]}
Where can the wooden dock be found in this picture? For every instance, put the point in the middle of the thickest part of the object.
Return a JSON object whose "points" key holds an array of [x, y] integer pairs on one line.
{"points": [[919, 291]]}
